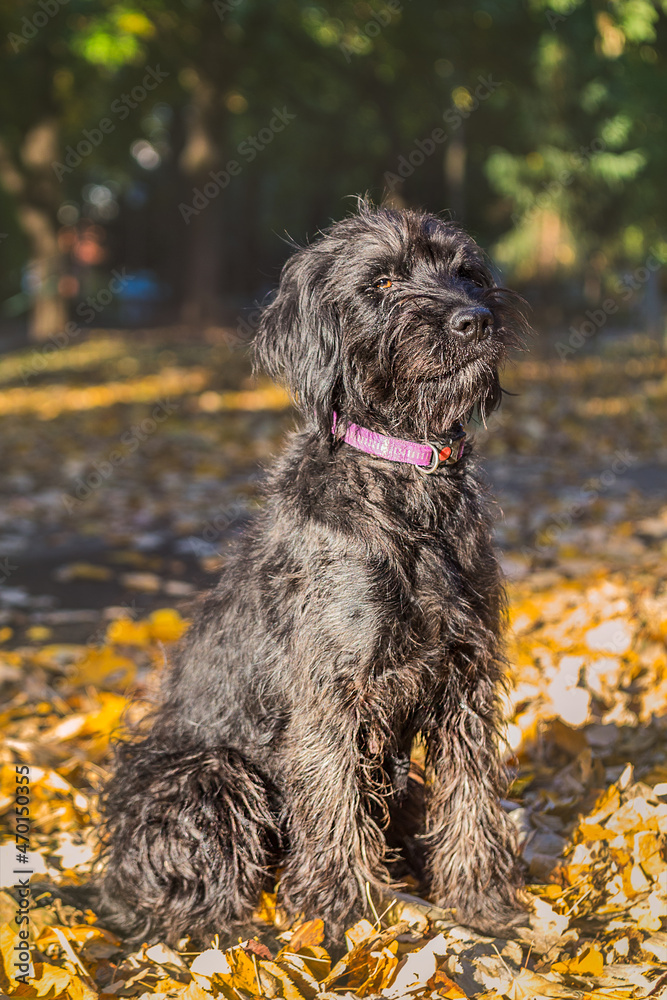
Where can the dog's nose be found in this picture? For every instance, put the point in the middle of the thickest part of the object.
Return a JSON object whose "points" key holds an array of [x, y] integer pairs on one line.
{"points": [[472, 322]]}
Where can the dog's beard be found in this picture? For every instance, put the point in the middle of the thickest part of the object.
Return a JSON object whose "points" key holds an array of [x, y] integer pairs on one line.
{"points": [[442, 402], [418, 383]]}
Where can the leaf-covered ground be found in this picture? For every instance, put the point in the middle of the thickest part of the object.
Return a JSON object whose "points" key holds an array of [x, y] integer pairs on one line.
{"points": [[129, 459]]}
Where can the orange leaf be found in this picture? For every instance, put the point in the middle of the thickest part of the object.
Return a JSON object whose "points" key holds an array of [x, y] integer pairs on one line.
{"points": [[193, 991], [266, 909], [589, 963], [593, 831], [307, 934], [445, 987], [288, 989], [51, 977]]}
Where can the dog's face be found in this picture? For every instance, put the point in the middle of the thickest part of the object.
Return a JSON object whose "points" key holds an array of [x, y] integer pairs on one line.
{"points": [[392, 319]]}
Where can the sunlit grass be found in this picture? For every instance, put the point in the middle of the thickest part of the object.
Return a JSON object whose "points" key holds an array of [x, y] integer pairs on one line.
{"points": [[187, 376], [42, 359], [48, 402]]}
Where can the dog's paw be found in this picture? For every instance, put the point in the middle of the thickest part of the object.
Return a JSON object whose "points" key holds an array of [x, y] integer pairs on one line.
{"points": [[495, 914], [502, 923], [492, 914]]}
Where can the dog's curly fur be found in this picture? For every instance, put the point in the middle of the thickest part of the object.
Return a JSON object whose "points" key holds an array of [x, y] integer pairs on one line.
{"points": [[363, 608]]}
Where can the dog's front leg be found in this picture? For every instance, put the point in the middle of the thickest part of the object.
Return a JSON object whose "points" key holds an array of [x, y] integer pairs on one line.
{"points": [[336, 849], [472, 850]]}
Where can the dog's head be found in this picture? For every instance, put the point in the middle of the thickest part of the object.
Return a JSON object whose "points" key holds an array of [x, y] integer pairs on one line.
{"points": [[392, 319]]}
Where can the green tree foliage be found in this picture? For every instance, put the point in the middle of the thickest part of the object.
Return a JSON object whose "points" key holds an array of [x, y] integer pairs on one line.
{"points": [[539, 124]]}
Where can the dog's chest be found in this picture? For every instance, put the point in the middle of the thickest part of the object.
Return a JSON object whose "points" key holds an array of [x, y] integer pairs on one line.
{"points": [[389, 572]]}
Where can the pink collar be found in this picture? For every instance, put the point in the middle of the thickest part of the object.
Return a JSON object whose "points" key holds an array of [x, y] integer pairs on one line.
{"points": [[426, 457]]}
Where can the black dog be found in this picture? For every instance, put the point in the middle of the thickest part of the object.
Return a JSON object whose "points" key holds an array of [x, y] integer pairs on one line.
{"points": [[362, 609]]}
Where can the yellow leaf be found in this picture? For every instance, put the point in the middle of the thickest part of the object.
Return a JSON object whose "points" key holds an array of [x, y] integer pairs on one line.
{"points": [[80, 934], [103, 666], [381, 967], [193, 991], [593, 831], [58, 656], [107, 717], [244, 971], [288, 988], [67, 729], [445, 987], [299, 972], [269, 911], [545, 891], [166, 625], [529, 985], [317, 960], [6, 633], [646, 851], [638, 880], [607, 804], [418, 969], [8, 939], [361, 931], [83, 571], [50, 977], [635, 814], [125, 632], [307, 934], [39, 633], [79, 990], [589, 963]]}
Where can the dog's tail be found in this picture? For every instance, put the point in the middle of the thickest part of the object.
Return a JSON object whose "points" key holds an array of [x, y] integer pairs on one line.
{"points": [[188, 836]]}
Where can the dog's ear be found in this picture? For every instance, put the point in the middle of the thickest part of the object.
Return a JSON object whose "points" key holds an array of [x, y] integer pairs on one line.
{"points": [[298, 340]]}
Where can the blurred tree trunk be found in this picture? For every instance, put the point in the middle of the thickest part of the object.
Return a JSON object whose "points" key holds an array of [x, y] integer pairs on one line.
{"points": [[201, 154], [32, 182], [454, 167], [652, 311]]}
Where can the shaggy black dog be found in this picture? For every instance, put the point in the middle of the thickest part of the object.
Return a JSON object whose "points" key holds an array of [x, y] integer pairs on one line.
{"points": [[364, 608]]}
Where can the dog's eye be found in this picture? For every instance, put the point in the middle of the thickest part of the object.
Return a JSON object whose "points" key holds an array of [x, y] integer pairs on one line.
{"points": [[382, 283], [472, 277]]}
